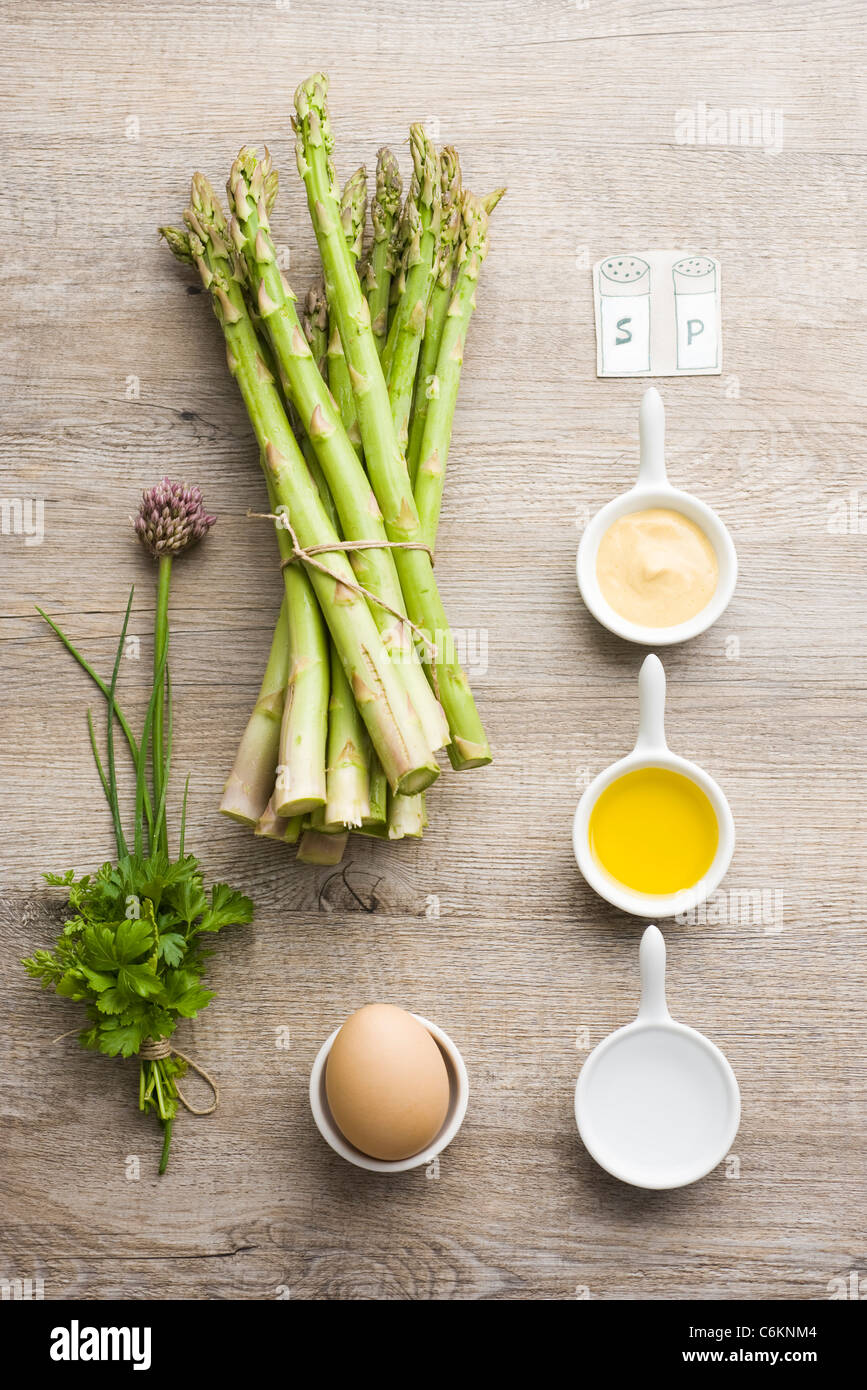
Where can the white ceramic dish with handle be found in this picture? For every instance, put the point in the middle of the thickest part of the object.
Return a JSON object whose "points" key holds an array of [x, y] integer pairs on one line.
{"points": [[652, 750], [654, 490], [459, 1090], [656, 1103]]}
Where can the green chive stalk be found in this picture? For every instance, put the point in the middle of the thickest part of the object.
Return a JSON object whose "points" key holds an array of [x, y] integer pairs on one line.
{"points": [[161, 638], [171, 518]]}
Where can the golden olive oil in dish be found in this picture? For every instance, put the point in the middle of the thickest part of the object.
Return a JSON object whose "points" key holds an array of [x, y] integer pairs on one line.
{"points": [[654, 831]]}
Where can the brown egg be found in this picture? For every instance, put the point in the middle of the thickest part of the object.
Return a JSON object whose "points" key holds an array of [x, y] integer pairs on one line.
{"points": [[387, 1083]]}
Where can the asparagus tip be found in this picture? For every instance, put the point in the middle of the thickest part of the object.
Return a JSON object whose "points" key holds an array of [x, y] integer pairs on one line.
{"points": [[490, 200]]}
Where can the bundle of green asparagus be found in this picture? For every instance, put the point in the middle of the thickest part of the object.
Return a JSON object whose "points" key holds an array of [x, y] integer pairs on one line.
{"points": [[352, 403]]}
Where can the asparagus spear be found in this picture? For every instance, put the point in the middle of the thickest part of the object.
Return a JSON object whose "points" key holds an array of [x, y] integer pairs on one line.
{"points": [[380, 695], [423, 215], [385, 463], [249, 784], [369, 796], [350, 752], [353, 210], [348, 799], [315, 321], [378, 793], [300, 783], [347, 794], [356, 505], [443, 389], [401, 241], [380, 267], [450, 173], [402, 811], [441, 298], [341, 388]]}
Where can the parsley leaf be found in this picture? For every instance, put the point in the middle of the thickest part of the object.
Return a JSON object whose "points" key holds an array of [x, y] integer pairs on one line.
{"points": [[172, 947], [228, 908], [127, 950]]}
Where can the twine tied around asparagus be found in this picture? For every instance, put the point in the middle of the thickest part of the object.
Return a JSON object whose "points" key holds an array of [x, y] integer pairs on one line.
{"points": [[156, 1049], [308, 555]]}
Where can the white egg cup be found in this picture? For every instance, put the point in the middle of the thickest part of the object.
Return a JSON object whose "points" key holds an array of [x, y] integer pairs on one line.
{"points": [[651, 750], [459, 1090], [654, 490], [656, 1103]]}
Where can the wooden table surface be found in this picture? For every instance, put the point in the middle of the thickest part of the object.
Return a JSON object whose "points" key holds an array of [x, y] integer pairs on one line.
{"points": [[113, 373]]}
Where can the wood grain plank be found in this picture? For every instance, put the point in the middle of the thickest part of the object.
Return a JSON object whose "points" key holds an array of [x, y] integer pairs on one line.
{"points": [[112, 373]]}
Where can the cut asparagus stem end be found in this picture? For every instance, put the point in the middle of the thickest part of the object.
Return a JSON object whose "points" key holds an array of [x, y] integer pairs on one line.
{"points": [[418, 780], [318, 847], [240, 802], [270, 826], [464, 755], [299, 805], [406, 817], [373, 832]]}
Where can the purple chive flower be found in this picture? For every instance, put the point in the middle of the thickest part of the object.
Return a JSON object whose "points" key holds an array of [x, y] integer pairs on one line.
{"points": [[171, 518]]}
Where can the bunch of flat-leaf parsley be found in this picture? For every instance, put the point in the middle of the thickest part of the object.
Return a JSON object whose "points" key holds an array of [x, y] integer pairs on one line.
{"points": [[132, 948]]}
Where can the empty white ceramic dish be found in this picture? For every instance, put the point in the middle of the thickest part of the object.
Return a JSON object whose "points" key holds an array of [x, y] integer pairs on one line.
{"points": [[459, 1090], [656, 1103], [654, 490], [651, 750]]}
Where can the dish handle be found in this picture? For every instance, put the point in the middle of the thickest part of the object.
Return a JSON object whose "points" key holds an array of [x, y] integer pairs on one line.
{"points": [[651, 436], [651, 957]]}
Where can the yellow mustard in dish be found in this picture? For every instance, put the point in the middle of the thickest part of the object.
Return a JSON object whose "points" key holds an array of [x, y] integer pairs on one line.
{"points": [[656, 567], [654, 831]]}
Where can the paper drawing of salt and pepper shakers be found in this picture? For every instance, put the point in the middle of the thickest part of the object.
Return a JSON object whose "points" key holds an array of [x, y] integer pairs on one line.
{"points": [[624, 306], [657, 314]]}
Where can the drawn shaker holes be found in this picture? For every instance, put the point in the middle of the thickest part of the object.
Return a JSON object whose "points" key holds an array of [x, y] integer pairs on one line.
{"points": [[624, 298], [695, 301]]}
